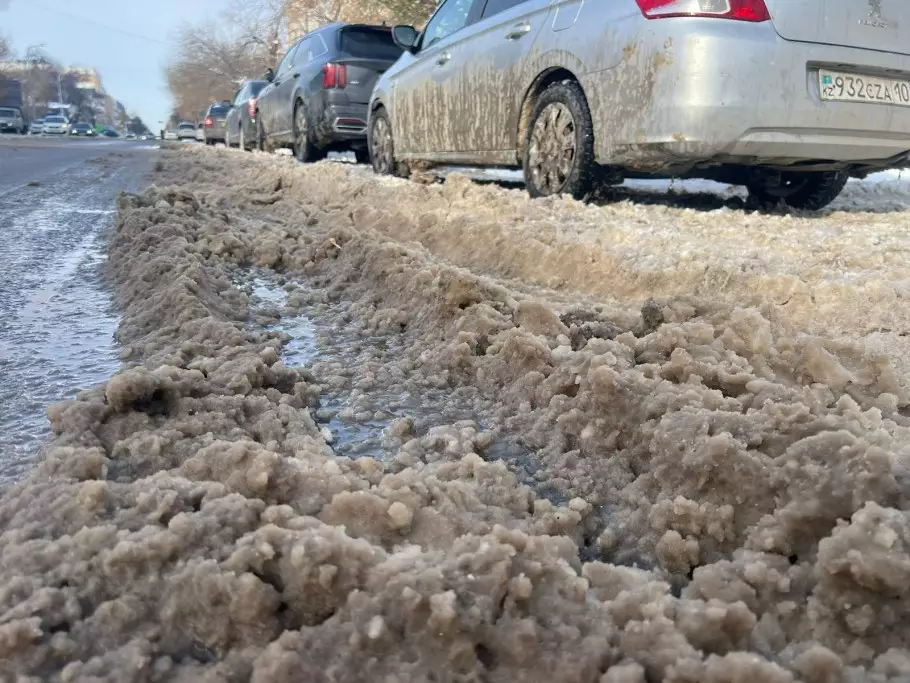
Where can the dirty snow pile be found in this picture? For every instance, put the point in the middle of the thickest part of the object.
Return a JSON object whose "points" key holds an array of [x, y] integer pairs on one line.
{"points": [[705, 493]]}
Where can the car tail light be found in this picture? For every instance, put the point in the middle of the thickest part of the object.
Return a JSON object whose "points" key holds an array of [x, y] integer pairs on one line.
{"points": [[334, 76], [209, 122], [738, 10], [252, 107]]}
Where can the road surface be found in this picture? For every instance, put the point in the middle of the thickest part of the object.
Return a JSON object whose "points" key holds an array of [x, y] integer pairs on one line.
{"points": [[56, 319]]}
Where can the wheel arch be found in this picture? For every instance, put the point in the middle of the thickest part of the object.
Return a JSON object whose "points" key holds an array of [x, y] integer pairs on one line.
{"points": [[544, 79]]}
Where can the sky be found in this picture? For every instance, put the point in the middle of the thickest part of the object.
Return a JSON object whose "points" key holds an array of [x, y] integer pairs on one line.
{"points": [[128, 41]]}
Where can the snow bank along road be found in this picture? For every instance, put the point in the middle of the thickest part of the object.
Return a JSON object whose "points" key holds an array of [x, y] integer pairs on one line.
{"points": [[55, 325], [373, 430]]}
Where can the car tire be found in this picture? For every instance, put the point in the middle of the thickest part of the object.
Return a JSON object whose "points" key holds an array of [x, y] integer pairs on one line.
{"points": [[304, 150], [811, 191], [261, 141], [544, 174], [381, 146]]}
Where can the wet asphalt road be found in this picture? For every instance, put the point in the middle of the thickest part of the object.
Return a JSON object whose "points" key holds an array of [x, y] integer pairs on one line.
{"points": [[57, 200]]}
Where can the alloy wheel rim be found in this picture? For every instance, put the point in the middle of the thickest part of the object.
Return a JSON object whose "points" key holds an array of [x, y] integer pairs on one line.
{"points": [[300, 127], [553, 148], [381, 144]]}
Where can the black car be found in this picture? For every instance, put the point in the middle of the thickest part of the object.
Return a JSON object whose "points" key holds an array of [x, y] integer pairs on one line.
{"points": [[82, 129], [110, 133], [318, 96], [241, 120]]}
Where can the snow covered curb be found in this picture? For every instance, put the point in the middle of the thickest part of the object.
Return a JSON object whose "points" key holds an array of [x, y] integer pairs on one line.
{"points": [[729, 496]]}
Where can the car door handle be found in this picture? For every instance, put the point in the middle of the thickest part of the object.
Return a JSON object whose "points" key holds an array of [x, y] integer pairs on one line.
{"points": [[296, 75], [443, 59], [518, 31]]}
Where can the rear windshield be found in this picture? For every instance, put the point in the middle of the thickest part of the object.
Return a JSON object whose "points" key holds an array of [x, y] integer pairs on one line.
{"points": [[9, 112], [187, 125], [83, 126], [54, 119], [369, 43], [256, 87], [219, 109]]}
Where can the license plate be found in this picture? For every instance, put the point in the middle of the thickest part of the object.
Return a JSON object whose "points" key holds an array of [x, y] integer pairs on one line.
{"points": [[843, 87]]}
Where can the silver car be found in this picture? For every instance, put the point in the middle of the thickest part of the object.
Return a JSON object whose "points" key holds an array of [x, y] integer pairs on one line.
{"points": [[786, 97], [56, 125], [11, 120]]}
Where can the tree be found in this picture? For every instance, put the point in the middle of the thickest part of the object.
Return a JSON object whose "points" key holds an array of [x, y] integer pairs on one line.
{"points": [[414, 12], [6, 49], [209, 65]]}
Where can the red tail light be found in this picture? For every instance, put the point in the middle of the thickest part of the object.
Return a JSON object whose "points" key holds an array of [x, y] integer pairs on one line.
{"points": [[334, 76], [252, 107], [209, 122], [738, 10]]}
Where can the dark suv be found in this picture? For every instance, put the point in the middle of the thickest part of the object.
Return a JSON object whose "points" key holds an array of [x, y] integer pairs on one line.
{"points": [[318, 96]]}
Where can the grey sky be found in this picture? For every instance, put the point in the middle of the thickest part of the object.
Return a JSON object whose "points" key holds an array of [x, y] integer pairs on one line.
{"points": [[127, 41]]}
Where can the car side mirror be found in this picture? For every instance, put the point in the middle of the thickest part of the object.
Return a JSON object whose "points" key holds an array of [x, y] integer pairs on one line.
{"points": [[269, 74], [406, 37]]}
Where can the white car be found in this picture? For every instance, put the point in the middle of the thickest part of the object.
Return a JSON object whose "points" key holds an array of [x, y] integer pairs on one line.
{"points": [[170, 134], [36, 127], [56, 125], [186, 131], [200, 134]]}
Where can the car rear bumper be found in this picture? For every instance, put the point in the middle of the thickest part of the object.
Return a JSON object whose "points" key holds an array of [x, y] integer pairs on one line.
{"points": [[343, 123], [701, 92]]}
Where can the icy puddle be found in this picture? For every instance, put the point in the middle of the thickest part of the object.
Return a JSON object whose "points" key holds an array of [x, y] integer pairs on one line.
{"points": [[366, 408]]}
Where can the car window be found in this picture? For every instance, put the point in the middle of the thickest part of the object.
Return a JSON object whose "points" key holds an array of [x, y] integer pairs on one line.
{"points": [[369, 43], [9, 112], [256, 88], [218, 109], [497, 6], [303, 51], [452, 16], [288, 60], [318, 47], [241, 95], [54, 119]]}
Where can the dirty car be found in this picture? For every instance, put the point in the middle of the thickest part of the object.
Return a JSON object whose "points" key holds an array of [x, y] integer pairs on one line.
{"points": [[787, 97]]}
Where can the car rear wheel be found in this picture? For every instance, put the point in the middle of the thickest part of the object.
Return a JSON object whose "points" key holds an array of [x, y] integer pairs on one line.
{"points": [[806, 191], [559, 151], [381, 146], [261, 141], [304, 149]]}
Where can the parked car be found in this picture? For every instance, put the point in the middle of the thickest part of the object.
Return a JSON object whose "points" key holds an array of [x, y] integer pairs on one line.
{"points": [[130, 136], [786, 97], [200, 133], [36, 127], [241, 125], [318, 96], [56, 125], [186, 131], [213, 125], [171, 134], [11, 121], [110, 133], [83, 129]]}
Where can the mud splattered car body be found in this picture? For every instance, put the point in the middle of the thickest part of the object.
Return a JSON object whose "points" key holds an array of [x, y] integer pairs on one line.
{"points": [[710, 88]]}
